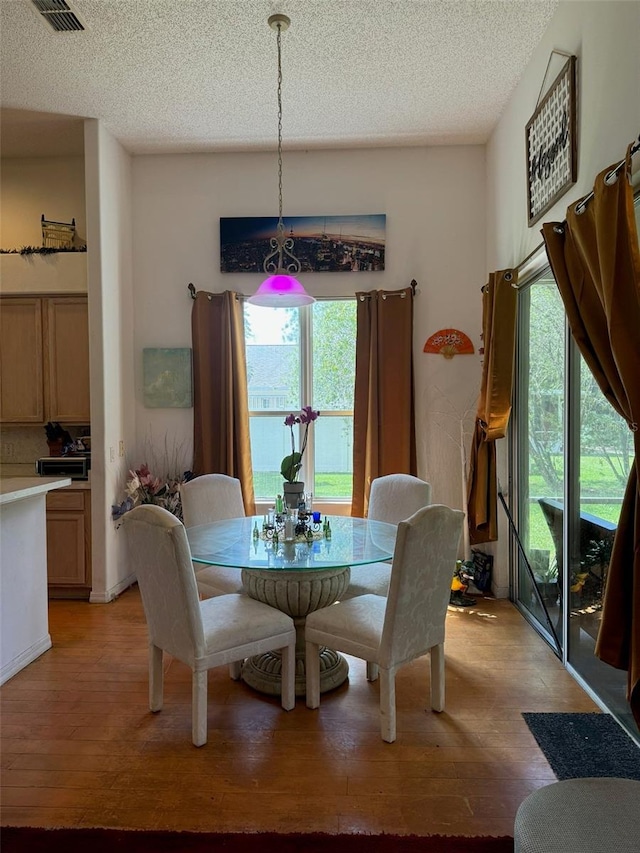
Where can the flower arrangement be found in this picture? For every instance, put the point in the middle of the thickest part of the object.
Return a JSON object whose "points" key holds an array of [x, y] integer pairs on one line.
{"points": [[143, 488], [292, 463]]}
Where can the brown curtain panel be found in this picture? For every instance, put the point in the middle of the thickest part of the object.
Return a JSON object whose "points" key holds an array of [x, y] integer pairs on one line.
{"points": [[499, 305], [384, 440], [221, 443], [595, 260]]}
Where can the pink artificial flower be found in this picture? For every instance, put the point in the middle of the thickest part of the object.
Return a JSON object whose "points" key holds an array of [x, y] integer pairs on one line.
{"points": [[147, 480]]}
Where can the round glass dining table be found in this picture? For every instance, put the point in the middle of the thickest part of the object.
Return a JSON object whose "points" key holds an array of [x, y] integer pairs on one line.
{"points": [[297, 577]]}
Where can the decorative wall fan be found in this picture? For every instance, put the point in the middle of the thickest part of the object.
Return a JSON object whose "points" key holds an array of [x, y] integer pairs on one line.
{"points": [[449, 342]]}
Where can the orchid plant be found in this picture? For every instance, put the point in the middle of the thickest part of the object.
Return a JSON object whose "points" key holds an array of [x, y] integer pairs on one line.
{"points": [[292, 463]]}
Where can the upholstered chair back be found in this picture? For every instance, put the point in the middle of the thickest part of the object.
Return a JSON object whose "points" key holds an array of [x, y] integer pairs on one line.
{"points": [[395, 497], [211, 497], [166, 579], [423, 564]]}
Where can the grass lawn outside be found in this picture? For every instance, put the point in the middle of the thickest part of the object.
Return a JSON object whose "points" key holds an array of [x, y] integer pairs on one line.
{"points": [[328, 486], [598, 483]]}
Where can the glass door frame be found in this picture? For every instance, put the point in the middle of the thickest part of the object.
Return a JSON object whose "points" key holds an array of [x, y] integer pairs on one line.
{"points": [[531, 271], [536, 267]]}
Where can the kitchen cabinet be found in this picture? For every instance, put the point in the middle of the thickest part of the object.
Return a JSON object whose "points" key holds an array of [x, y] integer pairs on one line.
{"points": [[21, 361], [69, 543], [44, 360]]}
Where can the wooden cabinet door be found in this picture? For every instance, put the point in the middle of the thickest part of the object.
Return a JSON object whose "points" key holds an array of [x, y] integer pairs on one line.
{"points": [[67, 360], [21, 376], [65, 548], [69, 543]]}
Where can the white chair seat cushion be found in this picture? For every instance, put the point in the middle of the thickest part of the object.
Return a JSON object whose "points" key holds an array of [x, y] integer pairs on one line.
{"points": [[238, 622], [356, 625], [206, 591], [372, 579], [223, 579]]}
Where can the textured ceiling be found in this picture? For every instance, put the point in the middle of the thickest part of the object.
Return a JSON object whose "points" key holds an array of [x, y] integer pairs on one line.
{"points": [[200, 75]]}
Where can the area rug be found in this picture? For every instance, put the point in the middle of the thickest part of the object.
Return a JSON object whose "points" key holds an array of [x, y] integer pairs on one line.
{"points": [[580, 745], [30, 840]]}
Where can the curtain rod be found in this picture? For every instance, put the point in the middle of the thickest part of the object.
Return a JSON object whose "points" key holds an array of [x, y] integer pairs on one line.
{"points": [[386, 293], [580, 208], [192, 290]]}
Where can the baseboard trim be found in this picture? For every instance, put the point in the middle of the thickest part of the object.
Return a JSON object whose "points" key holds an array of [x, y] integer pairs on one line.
{"points": [[25, 658], [113, 592]]}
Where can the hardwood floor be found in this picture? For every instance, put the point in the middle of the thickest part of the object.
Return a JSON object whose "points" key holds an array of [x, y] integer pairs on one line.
{"points": [[80, 747]]}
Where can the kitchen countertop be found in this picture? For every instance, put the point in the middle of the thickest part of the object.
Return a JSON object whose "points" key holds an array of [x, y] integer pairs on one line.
{"points": [[18, 488]]}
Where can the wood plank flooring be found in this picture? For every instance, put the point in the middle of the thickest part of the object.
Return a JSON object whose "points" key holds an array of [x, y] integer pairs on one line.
{"points": [[81, 748]]}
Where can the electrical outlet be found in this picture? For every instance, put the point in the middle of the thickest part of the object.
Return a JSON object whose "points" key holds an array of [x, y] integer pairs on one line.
{"points": [[8, 450], [112, 454], [121, 448]]}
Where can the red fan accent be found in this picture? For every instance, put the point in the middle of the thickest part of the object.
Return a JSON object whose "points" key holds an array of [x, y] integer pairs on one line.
{"points": [[449, 342]]}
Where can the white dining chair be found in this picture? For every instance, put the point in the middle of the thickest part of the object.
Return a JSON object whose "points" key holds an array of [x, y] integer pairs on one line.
{"points": [[409, 622], [213, 497], [393, 498], [201, 634]]}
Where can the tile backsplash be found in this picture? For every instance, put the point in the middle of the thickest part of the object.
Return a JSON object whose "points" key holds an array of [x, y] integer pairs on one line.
{"points": [[20, 445]]}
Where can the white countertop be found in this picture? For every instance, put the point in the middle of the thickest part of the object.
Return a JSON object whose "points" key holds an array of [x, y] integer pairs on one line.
{"points": [[18, 488]]}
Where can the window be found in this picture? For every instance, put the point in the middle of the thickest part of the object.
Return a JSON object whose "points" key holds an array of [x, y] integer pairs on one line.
{"points": [[298, 357]]}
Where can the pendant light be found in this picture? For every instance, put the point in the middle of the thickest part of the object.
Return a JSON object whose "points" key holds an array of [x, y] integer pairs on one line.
{"points": [[280, 289]]}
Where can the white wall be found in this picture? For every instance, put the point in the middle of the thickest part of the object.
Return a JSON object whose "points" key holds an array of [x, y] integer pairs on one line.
{"points": [[30, 187], [434, 201], [108, 171], [604, 36]]}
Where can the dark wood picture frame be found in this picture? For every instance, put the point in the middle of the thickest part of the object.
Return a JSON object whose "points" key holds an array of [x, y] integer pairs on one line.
{"points": [[552, 145]]}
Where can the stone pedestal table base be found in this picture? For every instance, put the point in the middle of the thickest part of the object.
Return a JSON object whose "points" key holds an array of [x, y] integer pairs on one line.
{"points": [[296, 593]]}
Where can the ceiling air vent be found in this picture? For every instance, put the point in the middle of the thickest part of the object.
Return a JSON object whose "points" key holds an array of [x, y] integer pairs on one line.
{"points": [[58, 14]]}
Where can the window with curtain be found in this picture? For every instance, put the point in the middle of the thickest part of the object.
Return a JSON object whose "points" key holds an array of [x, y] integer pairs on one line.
{"points": [[302, 357]]}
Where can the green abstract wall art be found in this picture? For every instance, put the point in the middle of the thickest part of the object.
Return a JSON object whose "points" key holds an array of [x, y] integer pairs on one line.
{"points": [[167, 378]]}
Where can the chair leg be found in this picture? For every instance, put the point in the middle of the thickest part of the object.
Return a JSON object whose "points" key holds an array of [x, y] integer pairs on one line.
{"points": [[288, 677], [388, 704], [312, 669], [235, 670], [372, 671], [437, 677], [199, 708], [156, 678]]}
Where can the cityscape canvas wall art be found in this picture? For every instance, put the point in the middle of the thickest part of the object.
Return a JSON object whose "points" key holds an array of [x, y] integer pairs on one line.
{"points": [[321, 243]]}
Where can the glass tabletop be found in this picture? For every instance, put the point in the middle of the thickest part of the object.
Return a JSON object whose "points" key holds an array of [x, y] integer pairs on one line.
{"points": [[354, 542]]}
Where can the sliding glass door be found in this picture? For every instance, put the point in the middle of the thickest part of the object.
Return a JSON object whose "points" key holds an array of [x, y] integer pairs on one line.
{"points": [[540, 416], [571, 458], [605, 455]]}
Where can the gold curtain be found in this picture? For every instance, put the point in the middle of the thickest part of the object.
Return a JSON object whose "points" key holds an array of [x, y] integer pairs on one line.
{"points": [[384, 440], [595, 260], [499, 304], [221, 443]]}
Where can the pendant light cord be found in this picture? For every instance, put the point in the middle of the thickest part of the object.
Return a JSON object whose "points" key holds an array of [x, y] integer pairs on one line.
{"points": [[280, 222]]}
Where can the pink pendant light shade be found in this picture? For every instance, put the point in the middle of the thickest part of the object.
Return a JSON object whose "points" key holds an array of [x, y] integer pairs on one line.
{"points": [[281, 290]]}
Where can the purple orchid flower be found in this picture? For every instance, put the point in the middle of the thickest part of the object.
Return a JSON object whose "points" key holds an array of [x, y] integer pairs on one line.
{"points": [[291, 464]]}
